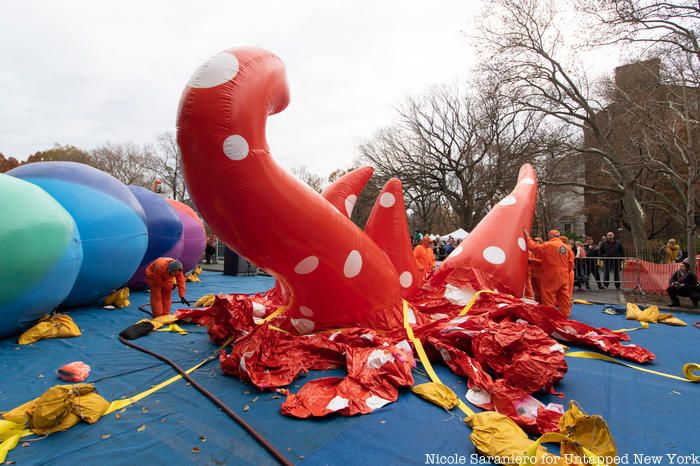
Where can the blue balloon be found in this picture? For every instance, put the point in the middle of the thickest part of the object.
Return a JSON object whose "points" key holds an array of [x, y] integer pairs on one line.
{"points": [[111, 224], [164, 230]]}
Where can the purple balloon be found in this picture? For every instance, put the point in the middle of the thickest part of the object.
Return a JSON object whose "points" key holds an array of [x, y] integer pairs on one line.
{"points": [[193, 242]]}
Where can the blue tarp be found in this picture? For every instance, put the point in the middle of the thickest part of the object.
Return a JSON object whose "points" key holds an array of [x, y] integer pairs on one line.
{"points": [[647, 414]]}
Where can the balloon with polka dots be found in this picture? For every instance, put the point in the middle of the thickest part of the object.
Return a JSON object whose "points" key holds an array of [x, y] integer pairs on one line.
{"points": [[333, 274]]}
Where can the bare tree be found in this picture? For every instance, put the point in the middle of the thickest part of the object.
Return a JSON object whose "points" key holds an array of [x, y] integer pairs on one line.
{"points": [[129, 163], [525, 47], [668, 119], [313, 180], [455, 151], [168, 169]]}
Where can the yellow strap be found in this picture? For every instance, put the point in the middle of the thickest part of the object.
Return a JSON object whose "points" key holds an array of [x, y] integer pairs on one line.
{"points": [[119, 404], [8, 444], [689, 369], [471, 302], [622, 330], [173, 328], [280, 310], [424, 358]]}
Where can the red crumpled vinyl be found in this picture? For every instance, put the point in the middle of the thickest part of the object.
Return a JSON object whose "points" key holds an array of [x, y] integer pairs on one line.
{"points": [[269, 358], [557, 326], [374, 376], [523, 354], [230, 315]]}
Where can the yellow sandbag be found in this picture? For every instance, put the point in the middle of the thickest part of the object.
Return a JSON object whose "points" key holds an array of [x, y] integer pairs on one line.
{"points": [[60, 408], [672, 320], [118, 298], [437, 393], [55, 326], [497, 436], [194, 275], [205, 301], [589, 432], [652, 315]]}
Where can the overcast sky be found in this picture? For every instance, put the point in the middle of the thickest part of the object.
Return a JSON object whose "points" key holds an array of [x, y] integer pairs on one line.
{"points": [[86, 72]]}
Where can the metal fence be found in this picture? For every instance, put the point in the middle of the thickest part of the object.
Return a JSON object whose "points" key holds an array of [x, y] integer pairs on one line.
{"points": [[627, 273]]}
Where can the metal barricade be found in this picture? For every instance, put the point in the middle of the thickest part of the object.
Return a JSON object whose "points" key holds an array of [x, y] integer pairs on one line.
{"points": [[608, 272]]}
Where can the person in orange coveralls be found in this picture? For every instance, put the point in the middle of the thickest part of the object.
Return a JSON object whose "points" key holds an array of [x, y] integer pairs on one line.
{"points": [[425, 257], [160, 275], [557, 266], [534, 273]]}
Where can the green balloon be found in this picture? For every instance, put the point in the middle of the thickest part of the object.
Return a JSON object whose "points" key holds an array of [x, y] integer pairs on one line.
{"points": [[34, 234]]}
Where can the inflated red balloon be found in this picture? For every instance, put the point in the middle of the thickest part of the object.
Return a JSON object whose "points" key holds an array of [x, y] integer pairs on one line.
{"points": [[388, 227], [497, 246], [344, 191], [333, 274]]}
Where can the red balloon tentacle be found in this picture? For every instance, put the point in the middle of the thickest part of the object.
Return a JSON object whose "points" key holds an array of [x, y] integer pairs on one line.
{"points": [[335, 275], [344, 191], [388, 227], [497, 246]]}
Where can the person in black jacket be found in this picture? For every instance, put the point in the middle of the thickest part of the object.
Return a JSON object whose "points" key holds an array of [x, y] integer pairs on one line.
{"points": [[592, 255], [610, 250], [683, 282]]}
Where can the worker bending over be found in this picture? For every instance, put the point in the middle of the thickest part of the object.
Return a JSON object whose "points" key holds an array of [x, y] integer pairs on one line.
{"points": [[557, 267], [160, 275]]}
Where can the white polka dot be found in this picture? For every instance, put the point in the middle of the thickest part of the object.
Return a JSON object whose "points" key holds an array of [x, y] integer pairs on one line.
{"points": [[406, 279], [387, 200], [376, 402], [236, 147], [306, 265], [378, 358], [494, 255], [337, 403], [303, 326], [353, 264], [305, 311], [217, 70], [527, 180], [350, 204], [508, 200], [458, 250], [522, 244]]}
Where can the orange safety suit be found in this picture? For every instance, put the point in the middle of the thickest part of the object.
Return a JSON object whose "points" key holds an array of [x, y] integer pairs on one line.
{"points": [[535, 275], [161, 283], [557, 267], [425, 259]]}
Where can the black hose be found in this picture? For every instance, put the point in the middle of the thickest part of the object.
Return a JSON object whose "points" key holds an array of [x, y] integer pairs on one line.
{"points": [[255, 434], [142, 308]]}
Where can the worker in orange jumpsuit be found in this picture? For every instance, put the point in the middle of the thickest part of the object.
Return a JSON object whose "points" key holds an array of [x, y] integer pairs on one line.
{"points": [[160, 275], [557, 265], [425, 257], [534, 274], [572, 274]]}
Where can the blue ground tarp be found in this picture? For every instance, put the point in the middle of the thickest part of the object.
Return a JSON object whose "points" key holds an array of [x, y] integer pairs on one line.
{"points": [[647, 414]]}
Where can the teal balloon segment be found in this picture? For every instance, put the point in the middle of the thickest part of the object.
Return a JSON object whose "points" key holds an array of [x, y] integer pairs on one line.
{"points": [[40, 253], [110, 221]]}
